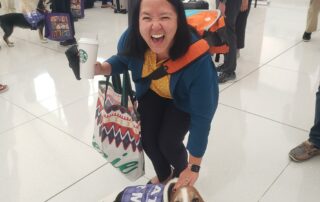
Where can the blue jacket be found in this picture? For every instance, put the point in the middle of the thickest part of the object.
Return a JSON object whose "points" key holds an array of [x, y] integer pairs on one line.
{"points": [[194, 90]]}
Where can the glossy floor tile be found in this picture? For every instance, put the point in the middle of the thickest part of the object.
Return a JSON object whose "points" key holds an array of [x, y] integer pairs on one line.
{"points": [[47, 116]]}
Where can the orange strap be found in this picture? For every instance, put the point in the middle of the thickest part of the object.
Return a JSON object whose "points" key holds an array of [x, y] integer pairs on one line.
{"points": [[195, 51], [219, 49]]}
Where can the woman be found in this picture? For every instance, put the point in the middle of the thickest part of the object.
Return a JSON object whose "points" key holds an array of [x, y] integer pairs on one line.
{"points": [[175, 104]]}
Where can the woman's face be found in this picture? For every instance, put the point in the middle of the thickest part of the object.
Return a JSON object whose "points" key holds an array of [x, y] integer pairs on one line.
{"points": [[158, 25]]}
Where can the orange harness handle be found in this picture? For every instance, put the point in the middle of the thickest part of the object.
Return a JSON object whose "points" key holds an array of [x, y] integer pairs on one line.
{"points": [[195, 51]]}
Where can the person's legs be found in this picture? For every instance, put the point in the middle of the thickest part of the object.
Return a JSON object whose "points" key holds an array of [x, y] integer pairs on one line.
{"points": [[314, 136], [312, 19], [311, 147], [241, 24], [151, 109], [230, 62], [11, 6], [67, 6], [173, 130], [63, 6]]}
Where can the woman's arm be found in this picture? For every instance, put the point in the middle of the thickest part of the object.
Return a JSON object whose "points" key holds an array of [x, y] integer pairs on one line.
{"points": [[203, 101]]}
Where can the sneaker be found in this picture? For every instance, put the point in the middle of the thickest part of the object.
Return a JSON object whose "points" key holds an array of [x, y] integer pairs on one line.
{"points": [[306, 36], [220, 68], [224, 77], [105, 6], [304, 151], [3, 88], [68, 42]]}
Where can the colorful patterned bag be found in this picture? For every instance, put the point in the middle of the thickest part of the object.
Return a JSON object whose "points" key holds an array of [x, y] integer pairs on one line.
{"points": [[117, 127], [58, 27]]}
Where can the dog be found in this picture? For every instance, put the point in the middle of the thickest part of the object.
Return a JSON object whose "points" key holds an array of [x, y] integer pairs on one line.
{"points": [[159, 192], [11, 20]]}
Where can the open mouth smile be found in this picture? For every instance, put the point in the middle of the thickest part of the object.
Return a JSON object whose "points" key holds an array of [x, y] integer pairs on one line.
{"points": [[157, 38]]}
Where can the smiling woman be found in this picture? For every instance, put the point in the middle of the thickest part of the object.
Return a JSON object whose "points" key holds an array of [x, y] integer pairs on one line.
{"points": [[171, 106], [158, 26]]}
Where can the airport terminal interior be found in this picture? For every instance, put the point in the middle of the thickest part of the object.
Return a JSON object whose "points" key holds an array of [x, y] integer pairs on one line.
{"points": [[47, 116]]}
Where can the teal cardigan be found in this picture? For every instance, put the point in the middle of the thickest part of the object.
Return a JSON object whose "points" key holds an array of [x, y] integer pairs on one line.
{"points": [[194, 90]]}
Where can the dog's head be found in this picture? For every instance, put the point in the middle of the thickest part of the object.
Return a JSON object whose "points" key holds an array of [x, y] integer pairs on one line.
{"points": [[183, 194]]}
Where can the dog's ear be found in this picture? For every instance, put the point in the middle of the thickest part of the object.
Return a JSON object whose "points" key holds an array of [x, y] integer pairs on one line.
{"points": [[196, 197], [119, 197], [170, 191]]}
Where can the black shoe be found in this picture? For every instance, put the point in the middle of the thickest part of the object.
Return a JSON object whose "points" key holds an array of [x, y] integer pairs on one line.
{"points": [[224, 77], [220, 68], [68, 42], [306, 36]]}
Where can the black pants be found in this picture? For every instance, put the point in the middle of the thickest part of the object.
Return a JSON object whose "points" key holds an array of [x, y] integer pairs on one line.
{"points": [[163, 128], [232, 11], [241, 24], [63, 6]]}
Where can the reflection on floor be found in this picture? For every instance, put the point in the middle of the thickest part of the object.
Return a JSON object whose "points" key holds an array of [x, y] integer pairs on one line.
{"points": [[46, 117]]}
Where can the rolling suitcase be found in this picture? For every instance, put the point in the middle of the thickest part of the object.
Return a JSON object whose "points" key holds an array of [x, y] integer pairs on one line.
{"points": [[194, 4], [120, 6]]}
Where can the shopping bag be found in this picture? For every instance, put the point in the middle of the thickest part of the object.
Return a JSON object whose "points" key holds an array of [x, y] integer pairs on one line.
{"points": [[77, 8], [117, 134], [58, 27]]}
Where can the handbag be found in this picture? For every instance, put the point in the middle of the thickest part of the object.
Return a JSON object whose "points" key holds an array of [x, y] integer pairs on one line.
{"points": [[117, 134], [77, 8], [58, 27]]}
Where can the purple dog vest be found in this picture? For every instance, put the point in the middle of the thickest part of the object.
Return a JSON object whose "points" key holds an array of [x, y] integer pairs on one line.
{"points": [[146, 193], [33, 18]]}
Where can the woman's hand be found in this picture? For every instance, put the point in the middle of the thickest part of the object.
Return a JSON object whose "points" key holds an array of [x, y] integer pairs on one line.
{"points": [[102, 68], [97, 68], [244, 5], [187, 177]]}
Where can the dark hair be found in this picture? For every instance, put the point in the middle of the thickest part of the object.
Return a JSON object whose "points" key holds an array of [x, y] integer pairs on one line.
{"points": [[136, 46]]}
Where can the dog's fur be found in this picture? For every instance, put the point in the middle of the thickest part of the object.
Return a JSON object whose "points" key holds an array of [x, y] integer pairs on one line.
{"points": [[11, 20], [183, 194]]}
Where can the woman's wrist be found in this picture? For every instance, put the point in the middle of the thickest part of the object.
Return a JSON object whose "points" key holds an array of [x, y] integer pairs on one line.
{"points": [[195, 160]]}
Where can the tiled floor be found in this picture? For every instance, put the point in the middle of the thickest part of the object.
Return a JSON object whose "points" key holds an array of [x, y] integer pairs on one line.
{"points": [[46, 117]]}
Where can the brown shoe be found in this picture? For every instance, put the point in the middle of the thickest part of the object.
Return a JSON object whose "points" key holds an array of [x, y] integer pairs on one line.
{"points": [[3, 88], [304, 151]]}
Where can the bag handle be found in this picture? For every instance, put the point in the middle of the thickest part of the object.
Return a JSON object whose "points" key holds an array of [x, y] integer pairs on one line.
{"points": [[124, 88]]}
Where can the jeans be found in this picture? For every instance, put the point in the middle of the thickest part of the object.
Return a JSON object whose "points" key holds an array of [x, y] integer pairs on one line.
{"points": [[314, 135]]}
